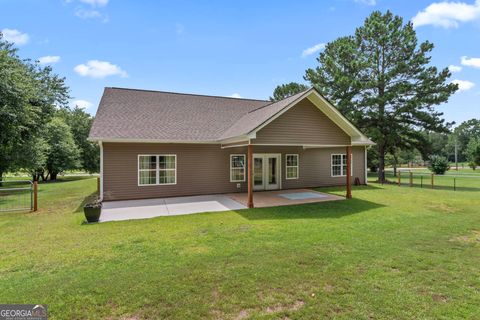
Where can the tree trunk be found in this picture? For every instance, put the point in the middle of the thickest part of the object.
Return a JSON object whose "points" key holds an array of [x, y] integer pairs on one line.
{"points": [[394, 165], [381, 164], [53, 176]]}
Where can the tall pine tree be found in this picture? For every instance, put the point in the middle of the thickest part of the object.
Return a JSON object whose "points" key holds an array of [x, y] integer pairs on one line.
{"points": [[382, 80]]}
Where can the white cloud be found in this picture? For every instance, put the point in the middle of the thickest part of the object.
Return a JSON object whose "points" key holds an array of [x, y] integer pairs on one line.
{"points": [[84, 104], [49, 59], [179, 28], [100, 3], [454, 68], [99, 69], [87, 14], [470, 62], [463, 85], [447, 14], [15, 36], [91, 14], [236, 95], [312, 50], [367, 2]]}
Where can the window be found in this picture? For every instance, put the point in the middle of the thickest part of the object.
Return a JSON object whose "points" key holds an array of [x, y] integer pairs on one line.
{"points": [[339, 165], [292, 166], [237, 167], [157, 169]]}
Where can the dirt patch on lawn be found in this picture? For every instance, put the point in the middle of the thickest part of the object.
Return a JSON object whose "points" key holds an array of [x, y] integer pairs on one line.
{"points": [[472, 238], [439, 298], [442, 207], [282, 308], [195, 250]]}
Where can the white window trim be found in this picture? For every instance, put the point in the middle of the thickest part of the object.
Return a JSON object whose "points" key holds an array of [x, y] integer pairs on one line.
{"points": [[244, 166], [341, 168], [287, 166], [157, 170]]}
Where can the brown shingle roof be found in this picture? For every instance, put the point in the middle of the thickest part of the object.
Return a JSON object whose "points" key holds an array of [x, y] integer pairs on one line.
{"points": [[258, 116], [131, 114]]}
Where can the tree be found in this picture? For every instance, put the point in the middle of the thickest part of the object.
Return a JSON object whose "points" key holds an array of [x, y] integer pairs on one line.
{"points": [[473, 152], [438, 164], [381, 80], [63, 153], [462, 135], [33, 157], [80, 123], [433, 143], [286, 90], [28, 96]]}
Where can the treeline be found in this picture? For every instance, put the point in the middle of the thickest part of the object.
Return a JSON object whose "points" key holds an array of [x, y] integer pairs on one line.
{"points": [[39, 134], [464, 141]]}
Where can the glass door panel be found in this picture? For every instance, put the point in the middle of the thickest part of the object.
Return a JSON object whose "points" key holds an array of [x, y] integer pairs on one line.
{"points": [[258, 173], [273, 172]]}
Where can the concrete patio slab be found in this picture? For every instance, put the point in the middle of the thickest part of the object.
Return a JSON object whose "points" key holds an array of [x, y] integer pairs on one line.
{"points": [[149, 208]]}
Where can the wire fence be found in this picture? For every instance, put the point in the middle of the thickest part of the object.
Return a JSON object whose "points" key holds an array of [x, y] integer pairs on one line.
{"points": [[455, 182], [16, 195]]}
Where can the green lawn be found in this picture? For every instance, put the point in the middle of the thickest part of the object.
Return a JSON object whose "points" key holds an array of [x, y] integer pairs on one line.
{"points": [[390, 253]]}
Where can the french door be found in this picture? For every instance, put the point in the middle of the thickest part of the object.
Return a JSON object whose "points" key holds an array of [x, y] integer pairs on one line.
{"points": [[266, 171]]}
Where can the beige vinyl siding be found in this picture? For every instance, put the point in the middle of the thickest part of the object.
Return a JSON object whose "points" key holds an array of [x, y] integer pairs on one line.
{"points": [[205, 169], [303, 124]]}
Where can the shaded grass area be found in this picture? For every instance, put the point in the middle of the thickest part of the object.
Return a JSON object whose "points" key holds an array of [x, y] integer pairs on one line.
{"points": [[391, 252]]}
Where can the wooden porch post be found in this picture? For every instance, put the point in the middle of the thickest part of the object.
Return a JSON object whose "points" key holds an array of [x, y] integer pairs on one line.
{"points": [[249, 175], [349, 172]]}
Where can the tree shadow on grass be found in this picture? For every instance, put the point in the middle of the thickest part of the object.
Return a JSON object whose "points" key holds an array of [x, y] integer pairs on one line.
{"points": [[343, 188], [62, 179], [318, 210]]}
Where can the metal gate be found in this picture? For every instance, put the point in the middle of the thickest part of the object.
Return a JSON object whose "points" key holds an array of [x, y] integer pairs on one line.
{"points": [[16, 195]]}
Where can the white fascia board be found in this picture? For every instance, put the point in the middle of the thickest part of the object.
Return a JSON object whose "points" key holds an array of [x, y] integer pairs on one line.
{"points": [[152, 141]]}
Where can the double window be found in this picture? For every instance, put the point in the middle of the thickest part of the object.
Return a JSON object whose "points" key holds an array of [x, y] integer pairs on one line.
{"points": [[157, 169], [339, 165], [237, 167], [291, 166]]}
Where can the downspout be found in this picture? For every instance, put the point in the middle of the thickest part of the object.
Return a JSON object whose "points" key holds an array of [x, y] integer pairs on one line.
{"points": [[101, 170], [366, 167]]}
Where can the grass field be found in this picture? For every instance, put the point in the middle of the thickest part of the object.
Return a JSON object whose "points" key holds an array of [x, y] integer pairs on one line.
{"points": [[390, 253]]}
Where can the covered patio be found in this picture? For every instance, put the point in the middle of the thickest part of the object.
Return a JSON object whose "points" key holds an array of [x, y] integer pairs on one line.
{"points": [[270, 197], [284, 197]]}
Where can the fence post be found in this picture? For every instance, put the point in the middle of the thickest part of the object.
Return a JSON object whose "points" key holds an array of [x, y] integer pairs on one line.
{"points": [[98, 186], [433, 180], [411, 179], [399, 178], [35, 195]]}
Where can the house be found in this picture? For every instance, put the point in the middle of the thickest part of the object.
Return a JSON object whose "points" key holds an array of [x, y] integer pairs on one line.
{"points": [[161, 144]]}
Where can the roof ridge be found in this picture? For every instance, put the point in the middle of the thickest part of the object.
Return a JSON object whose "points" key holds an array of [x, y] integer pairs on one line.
{"points": [[272, 102], [187, 94]]}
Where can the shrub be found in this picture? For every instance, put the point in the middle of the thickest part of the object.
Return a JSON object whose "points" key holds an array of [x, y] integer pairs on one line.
{"points": [[472, 165], [438, 164]]}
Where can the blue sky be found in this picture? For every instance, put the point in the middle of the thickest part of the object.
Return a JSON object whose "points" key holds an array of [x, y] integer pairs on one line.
{"points": [[228, 48]]}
